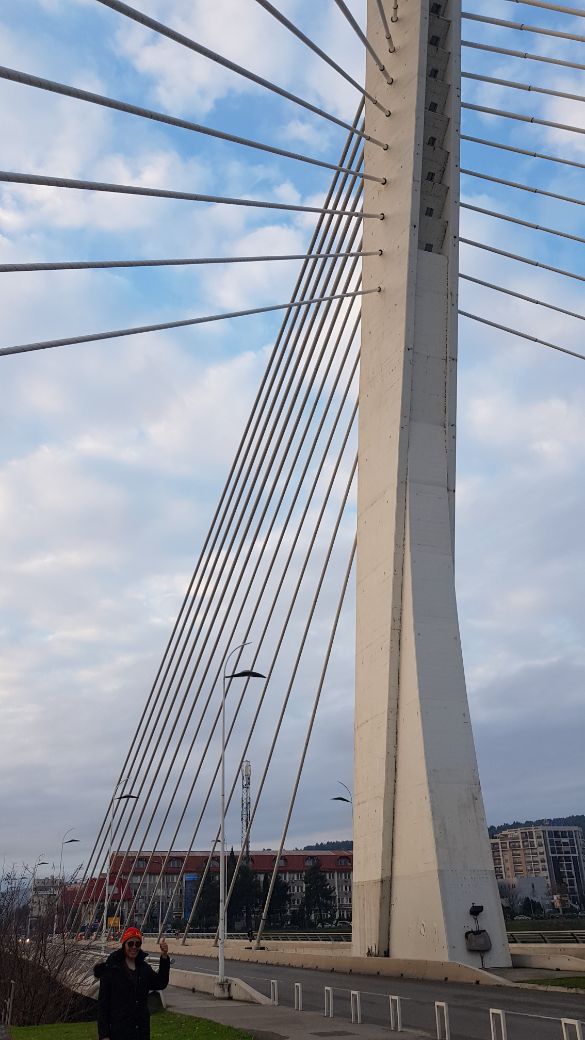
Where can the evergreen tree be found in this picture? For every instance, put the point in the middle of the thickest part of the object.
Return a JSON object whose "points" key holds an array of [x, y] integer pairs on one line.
{"points": [[207, 913], [245, 897], [278, 908], [319, 897]]}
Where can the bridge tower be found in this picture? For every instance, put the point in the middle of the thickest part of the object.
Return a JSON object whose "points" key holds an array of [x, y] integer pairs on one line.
{"points": [[421, 848]]}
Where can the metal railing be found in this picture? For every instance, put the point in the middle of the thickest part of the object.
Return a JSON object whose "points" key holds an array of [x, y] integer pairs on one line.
{"points": [[560, 938], [403, 1013], [555, 936]]}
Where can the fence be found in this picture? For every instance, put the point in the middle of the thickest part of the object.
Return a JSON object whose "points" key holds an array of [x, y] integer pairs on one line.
{"points": [[404, 1014]]}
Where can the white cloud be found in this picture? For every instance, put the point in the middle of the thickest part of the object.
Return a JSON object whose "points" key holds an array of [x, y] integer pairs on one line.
{"points": [[113, 454]]}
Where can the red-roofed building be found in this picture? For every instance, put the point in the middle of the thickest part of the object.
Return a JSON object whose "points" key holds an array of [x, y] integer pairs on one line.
{"points": [[146, 867]]}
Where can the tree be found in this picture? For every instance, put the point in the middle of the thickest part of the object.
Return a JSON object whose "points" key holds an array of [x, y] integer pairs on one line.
{"points": [[278, 907], [45, 967], [206, 915], [510, 899], [319, 897], [245, 896], [532, 907]]}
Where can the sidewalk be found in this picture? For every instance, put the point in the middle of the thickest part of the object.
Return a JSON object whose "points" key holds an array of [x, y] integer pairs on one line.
{"points": [[265, 1022]]}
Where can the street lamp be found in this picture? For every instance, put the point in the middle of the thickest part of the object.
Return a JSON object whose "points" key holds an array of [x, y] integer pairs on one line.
{"points": [[246, 674], [115, 799], [39, 863], [64, 841], [342, 798]]}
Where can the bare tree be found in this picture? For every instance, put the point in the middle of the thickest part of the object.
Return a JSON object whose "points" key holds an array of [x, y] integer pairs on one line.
{"points": [[48, 968]]}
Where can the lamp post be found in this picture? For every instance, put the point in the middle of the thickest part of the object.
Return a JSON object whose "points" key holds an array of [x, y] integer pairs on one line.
{"points": [[39, 863], [342, 798], [60, 885], [115, 800], [349, 801], [221, 989]]}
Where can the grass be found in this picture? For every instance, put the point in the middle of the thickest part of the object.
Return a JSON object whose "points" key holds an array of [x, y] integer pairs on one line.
{"points": [[576, 982], [163, 1026], [548, 924]]}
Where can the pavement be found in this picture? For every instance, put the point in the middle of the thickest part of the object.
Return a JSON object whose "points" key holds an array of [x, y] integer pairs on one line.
{"points": [[265, 1022]]}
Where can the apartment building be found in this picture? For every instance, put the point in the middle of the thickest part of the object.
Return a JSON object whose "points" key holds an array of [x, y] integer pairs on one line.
{"points": [[554, 853], [139, 873]]}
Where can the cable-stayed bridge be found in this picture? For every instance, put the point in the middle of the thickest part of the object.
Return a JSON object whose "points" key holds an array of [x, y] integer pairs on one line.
{"points": [[324, 495]]}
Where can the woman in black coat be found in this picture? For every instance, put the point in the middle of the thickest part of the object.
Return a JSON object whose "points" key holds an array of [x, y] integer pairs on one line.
{"points": [[126, 979]]}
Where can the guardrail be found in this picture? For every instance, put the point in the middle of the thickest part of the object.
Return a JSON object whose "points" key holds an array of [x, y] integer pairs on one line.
{"points": [[536, 936], [334, 937], [558, 937]]}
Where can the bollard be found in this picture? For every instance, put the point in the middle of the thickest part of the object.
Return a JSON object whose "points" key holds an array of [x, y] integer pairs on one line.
{"points": [[298, 996], [328, 994], [498, 1016], [395, 1014], [356, 1006], [274, 992], [566, 1022], [442, 1020]]}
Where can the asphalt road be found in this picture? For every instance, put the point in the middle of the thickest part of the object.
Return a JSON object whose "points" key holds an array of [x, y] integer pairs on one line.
{"points": [[531, 1015]]}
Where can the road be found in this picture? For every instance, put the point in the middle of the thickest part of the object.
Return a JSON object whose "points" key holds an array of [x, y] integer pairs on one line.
{"points": [[531, 1014]]}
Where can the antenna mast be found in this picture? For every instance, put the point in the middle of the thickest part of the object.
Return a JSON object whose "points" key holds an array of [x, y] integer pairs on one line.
{"points": [[246, 774]]}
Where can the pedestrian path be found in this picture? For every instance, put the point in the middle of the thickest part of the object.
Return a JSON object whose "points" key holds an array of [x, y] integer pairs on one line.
{"points": [[265, 1022]]}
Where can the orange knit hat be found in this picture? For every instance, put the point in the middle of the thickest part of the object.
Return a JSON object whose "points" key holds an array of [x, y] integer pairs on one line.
{"points": [[131, 933]]}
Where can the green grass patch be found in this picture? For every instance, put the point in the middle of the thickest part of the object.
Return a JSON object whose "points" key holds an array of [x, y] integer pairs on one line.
{"points": [[164, 1026], [577, 982], [548, 924]]}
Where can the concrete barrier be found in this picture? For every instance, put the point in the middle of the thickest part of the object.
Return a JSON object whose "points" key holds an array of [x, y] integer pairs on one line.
{"points": [[327, 959], [545, 957], [203, 982]]}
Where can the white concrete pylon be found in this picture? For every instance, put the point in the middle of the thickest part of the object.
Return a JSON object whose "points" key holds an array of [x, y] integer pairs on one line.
{"points": [[421, 848]]}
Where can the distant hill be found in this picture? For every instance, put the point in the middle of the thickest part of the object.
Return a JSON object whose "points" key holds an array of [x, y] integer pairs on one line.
{"points": [[554, 821], [330, 846]]}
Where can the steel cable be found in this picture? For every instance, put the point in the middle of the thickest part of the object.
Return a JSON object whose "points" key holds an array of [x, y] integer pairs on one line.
{"points": [[54, 87], [185, 41], [231, 544], [275, 479], [294, 29], [284, 569], [308, 279], [98, 265], [39, 180], [309, 731]]}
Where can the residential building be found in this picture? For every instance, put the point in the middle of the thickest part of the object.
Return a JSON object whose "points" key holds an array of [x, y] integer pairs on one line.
{"points": [[182, 871], [554, 853]]}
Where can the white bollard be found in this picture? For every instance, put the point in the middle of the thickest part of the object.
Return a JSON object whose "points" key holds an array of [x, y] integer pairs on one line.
{"points": [[274, 992], [328, 1010], [498, 1016], [298, 996], [566, 1022], [395, 1014], [356, 1006], [442, 1020]]}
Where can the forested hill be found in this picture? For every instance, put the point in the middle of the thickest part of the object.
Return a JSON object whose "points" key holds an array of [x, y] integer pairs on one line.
{"points": [[554, 821], [330, 846]]}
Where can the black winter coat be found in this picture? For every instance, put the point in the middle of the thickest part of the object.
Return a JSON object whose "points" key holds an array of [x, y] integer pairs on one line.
{"points": [[123, 998]]}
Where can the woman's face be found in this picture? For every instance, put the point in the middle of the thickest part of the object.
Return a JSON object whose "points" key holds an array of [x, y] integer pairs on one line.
{"points": [[131, 948]]}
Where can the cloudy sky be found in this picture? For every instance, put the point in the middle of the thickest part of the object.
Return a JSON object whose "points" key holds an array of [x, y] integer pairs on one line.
{"points": [[113, 454]]}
